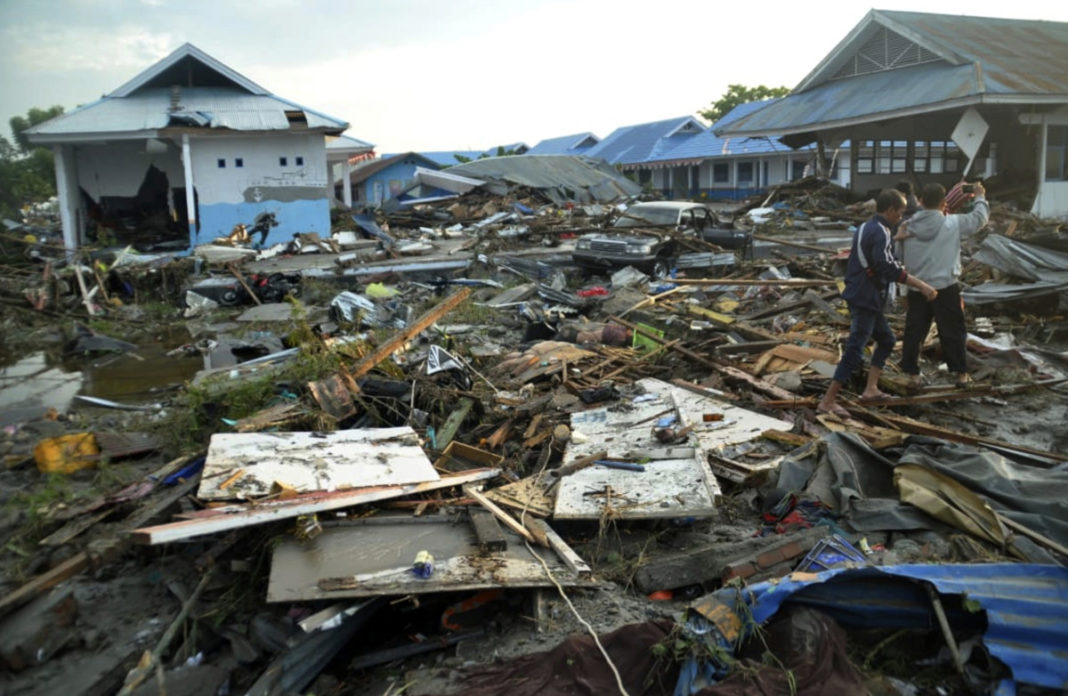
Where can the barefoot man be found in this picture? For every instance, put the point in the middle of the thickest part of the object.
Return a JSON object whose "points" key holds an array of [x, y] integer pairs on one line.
{"points": [[871, 271]]}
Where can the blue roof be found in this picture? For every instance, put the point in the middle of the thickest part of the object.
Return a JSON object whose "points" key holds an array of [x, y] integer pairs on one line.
{"points": [[447, 158], [645, 142], [707, 145], [576, 144]]}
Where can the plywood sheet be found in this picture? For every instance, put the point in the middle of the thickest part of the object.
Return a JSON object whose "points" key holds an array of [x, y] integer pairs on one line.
{"points": [[376, 556], [248, 464], [677, 482]]}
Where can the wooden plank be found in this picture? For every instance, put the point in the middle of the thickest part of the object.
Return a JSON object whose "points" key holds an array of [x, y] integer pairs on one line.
{"points": [[565, 552], [395, 343], [788, 283], [241, 279], [333, 397], [369, 559], [916, 427], [99, 551], [499, 513], [488, 532], [452, 423], [221, 519], [822, 305], [312, 461], [799, 245]]}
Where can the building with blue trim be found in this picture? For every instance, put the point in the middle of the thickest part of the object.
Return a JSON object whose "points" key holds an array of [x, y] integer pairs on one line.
{"points": [[577, 144], [184, 151]]}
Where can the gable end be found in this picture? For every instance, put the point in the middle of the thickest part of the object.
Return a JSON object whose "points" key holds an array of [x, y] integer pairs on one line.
{"points": [[886, 50]]}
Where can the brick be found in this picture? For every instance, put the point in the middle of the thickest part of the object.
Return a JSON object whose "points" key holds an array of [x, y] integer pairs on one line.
{"points": [[742, 569], [770, 557], [793, 550]]}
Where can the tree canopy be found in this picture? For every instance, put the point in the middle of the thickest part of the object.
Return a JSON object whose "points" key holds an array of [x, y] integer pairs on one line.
{"points": [[27, 173], [740, 94]]}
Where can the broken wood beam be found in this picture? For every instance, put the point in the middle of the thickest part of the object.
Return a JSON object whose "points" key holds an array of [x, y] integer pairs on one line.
{"points": [[241, 279], [221, 519], [452, 423], [499, 513], [677, 348], [561, 547], [490, 537], [798, 245], [789, 307], [917, 428], [369, 362], [788, 283]]}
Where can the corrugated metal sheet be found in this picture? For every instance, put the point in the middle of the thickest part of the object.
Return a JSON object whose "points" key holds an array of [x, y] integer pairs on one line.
{"points": [[1026, 606], [915, 89], [555, 175], [576, 144], [996, 58], [150, 109], [640, 143], [346, 143]]}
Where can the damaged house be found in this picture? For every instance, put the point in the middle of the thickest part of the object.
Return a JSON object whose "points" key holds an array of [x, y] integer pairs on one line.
{"points": [[682, 158], [936, 98], [183, 152]]}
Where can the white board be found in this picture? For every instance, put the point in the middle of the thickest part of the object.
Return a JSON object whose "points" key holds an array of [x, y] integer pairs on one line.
{"points": [[312, 461]]}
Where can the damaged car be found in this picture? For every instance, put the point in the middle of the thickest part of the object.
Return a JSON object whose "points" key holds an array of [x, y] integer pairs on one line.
{"points": [[642, 237]]}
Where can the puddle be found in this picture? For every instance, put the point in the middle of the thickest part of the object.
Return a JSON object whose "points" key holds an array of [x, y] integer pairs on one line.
{"points": [[29, 387]]}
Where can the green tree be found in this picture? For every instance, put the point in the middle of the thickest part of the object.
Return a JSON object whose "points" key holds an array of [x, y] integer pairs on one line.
{"points": [[27, 173], [19, 124], [740, 94]]}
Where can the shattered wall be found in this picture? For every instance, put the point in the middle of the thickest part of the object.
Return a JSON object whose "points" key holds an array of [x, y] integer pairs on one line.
{"points": [[118, 168], [282, 174]]}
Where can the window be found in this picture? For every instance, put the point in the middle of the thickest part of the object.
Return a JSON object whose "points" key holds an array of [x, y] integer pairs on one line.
{"points": [[221, 163], [721, 173], [882, 157], [745, 172], [935, 157], [239, 162], [299, 161], [1057, 153], [282, 161], [798, 166]]}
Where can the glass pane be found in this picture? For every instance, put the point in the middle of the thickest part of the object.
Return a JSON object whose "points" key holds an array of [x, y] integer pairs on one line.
{"points": [[919, 165], [936, 165], [1055, 163], [951, 165], [883, 165], [898, 165], [864, 166]]}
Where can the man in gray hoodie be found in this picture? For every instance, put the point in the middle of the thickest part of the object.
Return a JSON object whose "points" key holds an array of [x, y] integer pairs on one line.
{"points": [[932, 252]]}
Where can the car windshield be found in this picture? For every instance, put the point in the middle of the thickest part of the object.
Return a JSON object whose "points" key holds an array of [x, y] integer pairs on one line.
{"points": [[644, 216]]}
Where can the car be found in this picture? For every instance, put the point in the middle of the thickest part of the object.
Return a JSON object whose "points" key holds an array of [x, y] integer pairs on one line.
{"points": [[639, 237], [649, 252]]}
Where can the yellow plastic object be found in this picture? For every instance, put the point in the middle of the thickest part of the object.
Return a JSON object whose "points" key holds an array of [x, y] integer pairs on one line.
{"points": [[67, 453], [378, 290]]}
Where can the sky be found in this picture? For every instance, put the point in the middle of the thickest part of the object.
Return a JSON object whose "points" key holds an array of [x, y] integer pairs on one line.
{"points": [[448, 74]]}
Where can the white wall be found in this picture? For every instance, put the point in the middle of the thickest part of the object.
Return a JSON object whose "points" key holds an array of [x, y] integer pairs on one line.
{"points": [[118, 167], [260, 168]]}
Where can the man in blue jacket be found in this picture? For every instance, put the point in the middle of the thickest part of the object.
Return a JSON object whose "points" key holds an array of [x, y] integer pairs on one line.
{"points": [[871, 271], [932, 251]]}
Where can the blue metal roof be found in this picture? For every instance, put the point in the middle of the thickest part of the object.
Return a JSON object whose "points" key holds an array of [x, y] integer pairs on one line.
{"points": [[974, 60], [447, 158], [1026, 607], [643, 142], [707, 145], [576, 144]]}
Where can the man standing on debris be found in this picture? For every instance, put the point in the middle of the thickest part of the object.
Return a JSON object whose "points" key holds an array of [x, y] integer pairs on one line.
{"points": [[871, 269], [932, 251]]}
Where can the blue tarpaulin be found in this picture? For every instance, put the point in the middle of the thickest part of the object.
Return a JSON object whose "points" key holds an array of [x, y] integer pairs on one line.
{"points": [[1025, 607]]}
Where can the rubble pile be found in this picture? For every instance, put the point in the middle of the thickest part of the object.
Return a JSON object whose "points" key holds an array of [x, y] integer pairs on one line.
{"points": [[428, 455]]}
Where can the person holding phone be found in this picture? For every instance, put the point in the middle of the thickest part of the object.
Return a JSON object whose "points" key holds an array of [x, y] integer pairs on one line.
{"points": [[932, 251]]}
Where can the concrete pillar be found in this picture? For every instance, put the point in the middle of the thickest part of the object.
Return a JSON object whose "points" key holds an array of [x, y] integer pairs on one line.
{"points": [[67, 192], [346, 182], [190, 199], [1036, 207]]}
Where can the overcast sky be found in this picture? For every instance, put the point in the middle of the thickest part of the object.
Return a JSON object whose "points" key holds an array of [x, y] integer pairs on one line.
{"points": [[447, 74]]}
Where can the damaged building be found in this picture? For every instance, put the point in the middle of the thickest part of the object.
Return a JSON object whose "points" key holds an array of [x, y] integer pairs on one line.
{"points": [[937, 98], [185, 151]]}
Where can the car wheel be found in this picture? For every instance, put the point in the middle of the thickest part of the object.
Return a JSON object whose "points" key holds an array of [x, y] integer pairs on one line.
{"points": [[661, 269]]}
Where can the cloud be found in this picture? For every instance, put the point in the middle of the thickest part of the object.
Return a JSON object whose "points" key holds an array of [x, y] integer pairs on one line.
{"points": [[51, 49]]}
